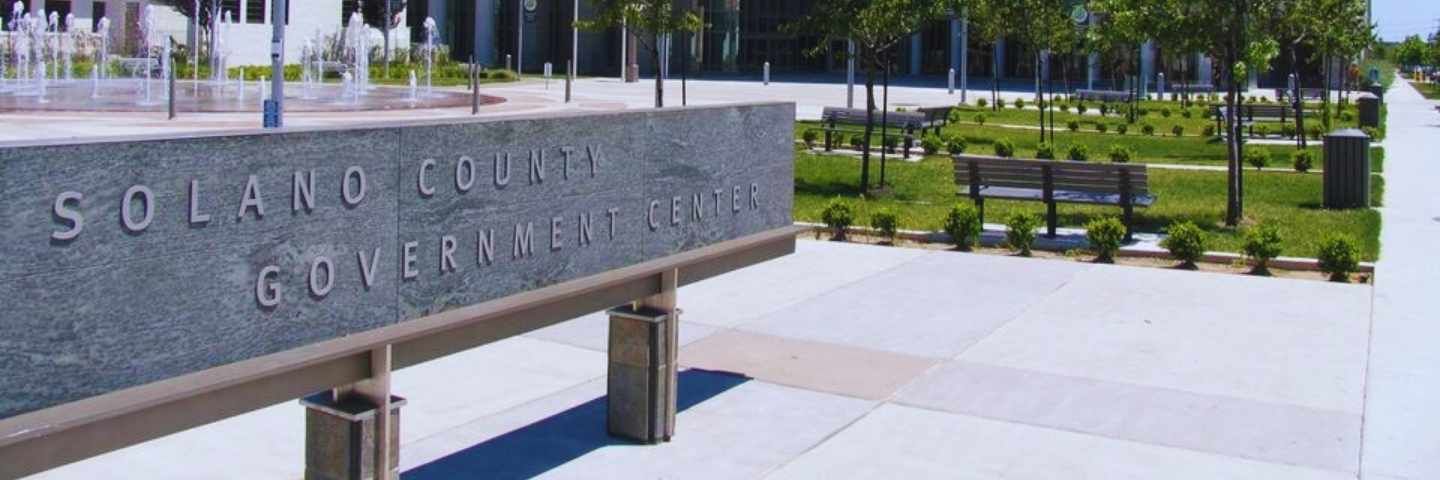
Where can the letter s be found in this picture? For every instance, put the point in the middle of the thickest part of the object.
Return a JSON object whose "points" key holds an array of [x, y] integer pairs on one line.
{"points": [[64, 212]]}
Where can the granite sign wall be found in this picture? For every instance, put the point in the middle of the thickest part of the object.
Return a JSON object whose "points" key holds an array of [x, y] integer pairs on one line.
{"points": [[126, 262]]}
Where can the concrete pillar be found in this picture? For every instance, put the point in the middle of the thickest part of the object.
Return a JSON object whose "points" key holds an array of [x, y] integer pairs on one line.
{"points": [[964, 56], [485, 32], [1092, 70], [340, 437], [957, 42], [1203, 73], [916, 53], [640, 404]]}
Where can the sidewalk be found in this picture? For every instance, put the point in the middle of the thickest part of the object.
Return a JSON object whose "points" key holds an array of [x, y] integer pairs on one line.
{"points": [[1402, 407]]}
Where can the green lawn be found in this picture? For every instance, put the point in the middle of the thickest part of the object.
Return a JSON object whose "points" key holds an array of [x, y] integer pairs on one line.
{"points": [[921, 193], [1195, 125], [1429, 90], [1189, 150]]}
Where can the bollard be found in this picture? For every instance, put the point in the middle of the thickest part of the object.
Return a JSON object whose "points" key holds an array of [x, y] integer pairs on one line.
{"points": [[548, 71], [952, 81], [170, 91], [569, 78], [767, 73], [507, 62], [1369, 106], [474, 91], [1160, 85]]}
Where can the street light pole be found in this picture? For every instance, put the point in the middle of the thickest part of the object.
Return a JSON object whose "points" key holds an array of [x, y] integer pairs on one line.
{"points": [[274, 107]]}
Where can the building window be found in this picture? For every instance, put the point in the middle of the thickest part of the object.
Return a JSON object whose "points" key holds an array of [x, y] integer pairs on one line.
{"points": [[231, 7], [255, 11]]}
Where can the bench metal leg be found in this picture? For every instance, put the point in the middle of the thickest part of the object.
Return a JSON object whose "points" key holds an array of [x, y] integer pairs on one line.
{"points": [[643, 374], [1051, 219], [827, 140], [1129, 223], [980, 209]]}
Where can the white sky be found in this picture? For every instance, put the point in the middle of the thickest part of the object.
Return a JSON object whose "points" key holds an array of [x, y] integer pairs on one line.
{"points": [[1397, 19]]}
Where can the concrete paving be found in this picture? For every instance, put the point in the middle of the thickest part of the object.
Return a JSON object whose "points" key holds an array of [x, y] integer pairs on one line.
{"points": [[853, 361], [1402, 405]]}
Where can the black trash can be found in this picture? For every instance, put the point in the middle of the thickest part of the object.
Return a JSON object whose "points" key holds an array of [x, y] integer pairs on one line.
{"points": [[1347, 169], [1369, 106], [1376, 90]]}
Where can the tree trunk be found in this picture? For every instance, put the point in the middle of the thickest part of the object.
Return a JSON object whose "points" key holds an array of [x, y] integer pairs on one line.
{"points": [[884, 123], [994, 82], [1297, 100], [869, 125], [659, 79], [1039, 96]]}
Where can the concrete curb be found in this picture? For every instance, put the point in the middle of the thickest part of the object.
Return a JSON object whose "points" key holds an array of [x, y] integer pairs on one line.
{"points": [[1145, 246]]}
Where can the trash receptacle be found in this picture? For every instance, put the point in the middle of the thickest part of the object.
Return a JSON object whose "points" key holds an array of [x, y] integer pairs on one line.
{"points": [[1376, 90], [1347, 169], [1369, 106]]}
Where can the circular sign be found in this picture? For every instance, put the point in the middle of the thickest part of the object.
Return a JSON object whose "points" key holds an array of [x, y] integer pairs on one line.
{"points": [[530, 5], [1079, 15]]}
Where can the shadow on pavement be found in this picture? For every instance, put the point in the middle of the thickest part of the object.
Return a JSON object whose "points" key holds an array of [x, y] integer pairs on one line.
{"points": [[560, 438]]}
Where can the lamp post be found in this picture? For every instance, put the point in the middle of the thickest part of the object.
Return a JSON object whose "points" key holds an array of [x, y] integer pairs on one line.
{"points": [[274, 107]]}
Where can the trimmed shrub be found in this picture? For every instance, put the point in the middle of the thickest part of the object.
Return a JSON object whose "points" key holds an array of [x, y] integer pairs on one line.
{"points": [[1064, 107], [1105, 235], [810, 136], [954, 116], [1315, 132], [1339, 257], [931, 144], [1186, 243], [1019, 103], [891, 143], [1081, 108], [1257, 158], [857, 142], [1187, 113], [1147, 129], [1073, 125], [1287, 130], [1302, 161], [1142, 111], [982, 103], [1375, 134], [980, 118], [886, 222], [1262, 131], [1000, 103], [501, 75], [1262, 244], [1078, 152], [1104, 109], [1004, 148], [1121, 128], [956, 145], [839, 216], [1209, 131], [1045, 151], [1165, 112], [1101, 127], [1346, 116], [963, 226], [1178, 130], [1121, 154], [1020, 232]]}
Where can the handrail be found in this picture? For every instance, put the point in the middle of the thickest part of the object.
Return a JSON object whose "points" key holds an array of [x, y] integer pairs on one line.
{"points": [[45, 439]]}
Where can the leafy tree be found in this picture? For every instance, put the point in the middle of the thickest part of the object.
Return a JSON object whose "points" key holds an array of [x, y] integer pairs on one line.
{"points": [[876, 27], [1411, 52], [649, 20]]}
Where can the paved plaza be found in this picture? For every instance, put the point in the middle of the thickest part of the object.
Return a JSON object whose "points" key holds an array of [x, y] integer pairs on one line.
{"points": [[860, 361]]}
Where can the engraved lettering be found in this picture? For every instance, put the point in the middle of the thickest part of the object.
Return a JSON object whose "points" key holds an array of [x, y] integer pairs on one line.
{"points": [[318, 289], [735, 199], [697, 207], [567, 152], [586, 229], [612, 213], [754, 196], [267, 293], [524, 244], [302, 191], [407, 269], [467, 165], [447, 254], [502, 175], [485, 247], [650, 218], [595, 157], [353, 196], [425, 190], [537, 166], [251, 199], [196, 218], [719, 192], [64, 212], [674, 210], [367, 268], [126, 208], [555, 242]]}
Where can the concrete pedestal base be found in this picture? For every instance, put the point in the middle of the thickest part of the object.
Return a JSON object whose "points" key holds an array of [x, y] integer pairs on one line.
{"points": [[340, 437], [642, 375]]}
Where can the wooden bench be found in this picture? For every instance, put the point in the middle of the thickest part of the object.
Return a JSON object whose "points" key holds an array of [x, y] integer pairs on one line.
{"points": [[837, 120], [1250, 113], [1282, 94], [1052, 182], [1102, 95]]}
